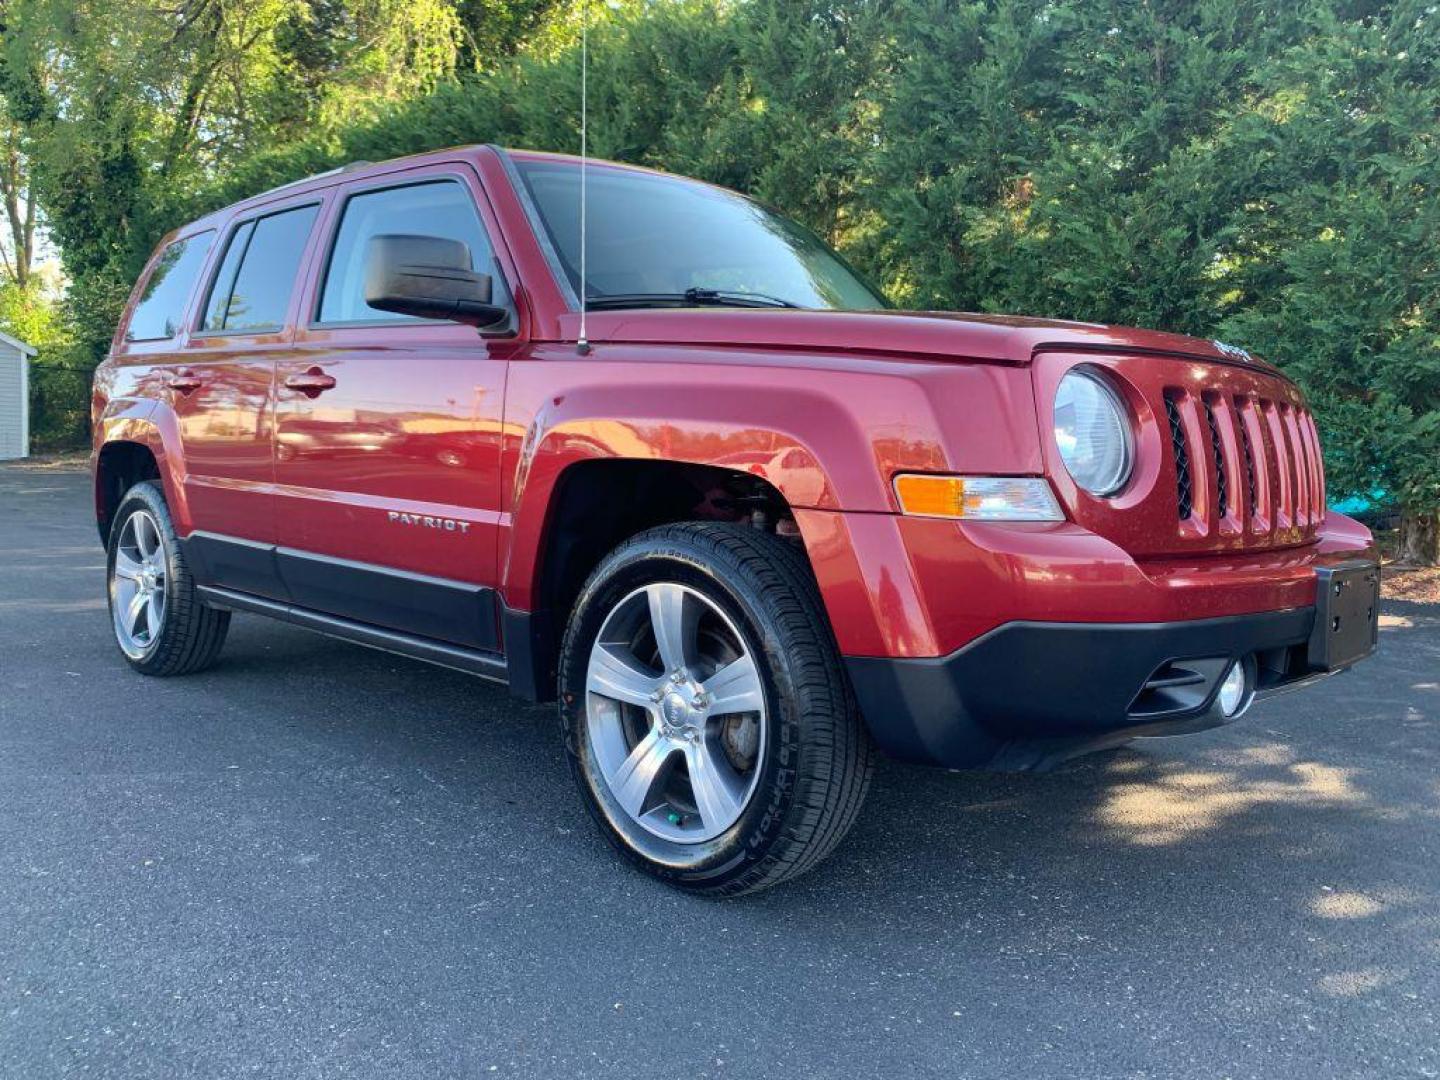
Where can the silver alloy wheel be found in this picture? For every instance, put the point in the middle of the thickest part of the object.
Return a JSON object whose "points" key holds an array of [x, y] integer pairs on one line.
{"points": [[137, 585], [675, 711]]}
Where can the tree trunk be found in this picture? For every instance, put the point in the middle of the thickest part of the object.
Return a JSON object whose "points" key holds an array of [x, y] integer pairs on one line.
{"points": [[1419, 538], [19, 212]]}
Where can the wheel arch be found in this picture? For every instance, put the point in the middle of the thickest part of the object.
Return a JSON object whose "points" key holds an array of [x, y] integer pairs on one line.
{"points": [[119, 466], [596, 504], [136, 440]]}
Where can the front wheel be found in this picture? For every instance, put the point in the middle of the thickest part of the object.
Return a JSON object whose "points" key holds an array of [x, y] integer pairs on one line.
{"points": [[707, 717], [159, 622]]}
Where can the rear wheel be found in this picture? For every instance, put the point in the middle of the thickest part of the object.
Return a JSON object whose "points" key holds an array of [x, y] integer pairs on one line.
{"points": [[159, 622], [709, 723]]}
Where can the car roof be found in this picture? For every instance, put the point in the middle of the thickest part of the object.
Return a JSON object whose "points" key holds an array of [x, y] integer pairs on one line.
{"points": [[321, 181], [593, 162], [357, 170]]}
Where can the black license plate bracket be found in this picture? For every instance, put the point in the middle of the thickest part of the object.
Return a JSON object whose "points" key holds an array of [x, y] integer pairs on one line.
{"points": [[1347, 615]]}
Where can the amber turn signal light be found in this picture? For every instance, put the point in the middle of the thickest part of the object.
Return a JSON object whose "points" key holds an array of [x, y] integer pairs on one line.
{"points": [[977, 498]]}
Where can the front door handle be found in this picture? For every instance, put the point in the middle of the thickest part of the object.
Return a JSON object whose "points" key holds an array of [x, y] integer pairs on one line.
{"points": [[184, 382], [311, 383]]}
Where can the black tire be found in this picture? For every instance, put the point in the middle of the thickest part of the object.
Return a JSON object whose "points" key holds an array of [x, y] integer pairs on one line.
{"points": [[816, 766], [192, 633]]}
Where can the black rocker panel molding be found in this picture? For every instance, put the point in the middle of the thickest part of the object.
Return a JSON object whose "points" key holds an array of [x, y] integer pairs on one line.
{"points": [[417, 604]]}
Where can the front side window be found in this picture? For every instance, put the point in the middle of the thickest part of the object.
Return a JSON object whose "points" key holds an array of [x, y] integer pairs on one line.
{"points": [[161, 307], [257, 276], [658, 240], [440, 208]]}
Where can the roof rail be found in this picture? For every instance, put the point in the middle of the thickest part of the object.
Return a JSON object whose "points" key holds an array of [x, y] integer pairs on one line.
{"points": [[351, 167]]}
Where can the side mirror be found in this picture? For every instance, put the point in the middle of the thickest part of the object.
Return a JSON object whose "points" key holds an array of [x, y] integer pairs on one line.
{"points": [[429, 277]]}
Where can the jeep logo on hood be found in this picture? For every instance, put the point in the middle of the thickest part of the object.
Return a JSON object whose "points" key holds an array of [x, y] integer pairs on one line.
{"points": [[1234, 352]]}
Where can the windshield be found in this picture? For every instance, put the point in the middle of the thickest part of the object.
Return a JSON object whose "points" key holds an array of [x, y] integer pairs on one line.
{"points": [[661, 240]]}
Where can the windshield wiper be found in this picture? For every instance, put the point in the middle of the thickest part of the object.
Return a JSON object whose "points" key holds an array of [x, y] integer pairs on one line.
{"points": [[688, 298]]}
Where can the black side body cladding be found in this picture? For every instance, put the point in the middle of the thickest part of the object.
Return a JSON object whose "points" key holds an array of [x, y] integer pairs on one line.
{"points": [[453, 623], [530, 653], [227, 561], [486, 665], [412, 603], [409, 603]]}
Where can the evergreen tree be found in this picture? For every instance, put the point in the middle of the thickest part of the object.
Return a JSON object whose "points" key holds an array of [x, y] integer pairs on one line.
{"points": [[1262, 172]]}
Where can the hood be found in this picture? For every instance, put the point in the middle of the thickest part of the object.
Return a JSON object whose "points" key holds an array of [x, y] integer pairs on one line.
{"points": [[935, 335]]}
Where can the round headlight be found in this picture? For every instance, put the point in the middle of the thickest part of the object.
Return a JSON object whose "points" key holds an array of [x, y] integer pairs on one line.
{"points": [[1092, 430]]}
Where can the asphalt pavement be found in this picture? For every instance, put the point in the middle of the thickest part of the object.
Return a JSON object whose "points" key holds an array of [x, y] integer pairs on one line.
{"points": [[320, 861]]}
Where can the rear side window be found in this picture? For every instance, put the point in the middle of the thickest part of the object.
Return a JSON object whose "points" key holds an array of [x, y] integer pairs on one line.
{"points": [[441, 208], [252, 289], [161, 307]]}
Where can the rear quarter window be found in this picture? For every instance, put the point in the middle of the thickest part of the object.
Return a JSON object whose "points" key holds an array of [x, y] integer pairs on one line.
{"points": [[160, 310]]}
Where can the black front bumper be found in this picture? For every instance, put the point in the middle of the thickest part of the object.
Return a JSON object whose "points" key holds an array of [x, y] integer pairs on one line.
{"points": [[1030, 694]]}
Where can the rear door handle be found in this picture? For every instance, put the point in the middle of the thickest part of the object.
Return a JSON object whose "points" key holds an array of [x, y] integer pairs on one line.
{"points": [[184, 382], [311, 383]]}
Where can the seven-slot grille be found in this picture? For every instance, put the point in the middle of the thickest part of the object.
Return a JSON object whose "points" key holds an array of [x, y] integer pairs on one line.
{"points": [[1260, 459]]}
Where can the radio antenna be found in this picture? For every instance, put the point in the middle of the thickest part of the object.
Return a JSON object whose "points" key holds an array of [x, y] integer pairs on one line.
{"points": [[582, 346]]}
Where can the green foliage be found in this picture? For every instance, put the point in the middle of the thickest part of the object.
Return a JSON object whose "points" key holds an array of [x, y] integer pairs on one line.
{"points": [[1264, 173], [128, 108], [1342, 282], [27, 314]]}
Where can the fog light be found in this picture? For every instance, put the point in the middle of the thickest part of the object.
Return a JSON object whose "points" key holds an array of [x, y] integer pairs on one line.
{"points": [[1232, 690]]}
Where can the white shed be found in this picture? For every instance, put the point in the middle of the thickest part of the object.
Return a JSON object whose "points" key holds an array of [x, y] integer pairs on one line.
{"points": [[14, 397]]}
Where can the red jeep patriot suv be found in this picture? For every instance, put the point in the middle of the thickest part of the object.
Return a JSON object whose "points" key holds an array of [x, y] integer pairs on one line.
{"points": [[747, 525]]}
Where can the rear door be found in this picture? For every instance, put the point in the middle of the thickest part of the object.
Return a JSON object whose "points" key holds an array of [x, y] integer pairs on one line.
{"points": [[226, 412], [154, 338], [388, 428]]}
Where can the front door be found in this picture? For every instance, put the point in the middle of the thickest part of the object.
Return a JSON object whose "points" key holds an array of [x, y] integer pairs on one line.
{"points": [[387, 432]]}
